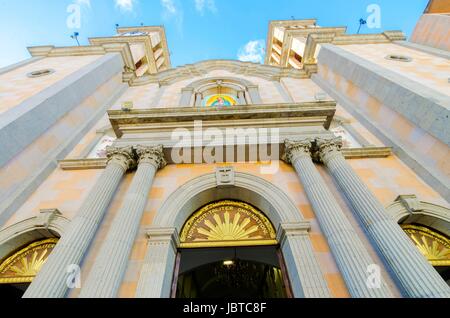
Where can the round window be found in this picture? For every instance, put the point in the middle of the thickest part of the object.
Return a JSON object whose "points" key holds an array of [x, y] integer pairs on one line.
{"points": [[40, 73], [400, 58]]}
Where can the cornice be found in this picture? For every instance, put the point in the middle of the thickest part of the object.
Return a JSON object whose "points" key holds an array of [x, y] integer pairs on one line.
{"points": [[202, 68], [139, 118], [138, 39], [348, 153], [83, 164], [346, 39], [122, 48]]}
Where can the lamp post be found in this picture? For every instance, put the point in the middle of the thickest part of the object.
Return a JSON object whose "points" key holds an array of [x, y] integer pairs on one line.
{"points": [[361, 23], [75, 37]]}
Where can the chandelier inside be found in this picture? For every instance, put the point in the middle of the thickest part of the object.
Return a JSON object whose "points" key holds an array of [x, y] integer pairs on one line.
{"points": [[240, 274]]}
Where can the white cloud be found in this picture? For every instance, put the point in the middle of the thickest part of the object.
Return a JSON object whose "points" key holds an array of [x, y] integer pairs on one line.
{"points": [[125, 5], [253, 51], [86, 3], [169, 7], [173, 11], [203, 5]]}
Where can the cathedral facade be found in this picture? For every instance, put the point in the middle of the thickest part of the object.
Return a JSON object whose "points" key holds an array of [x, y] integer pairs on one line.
{"points": [[322, 173]]}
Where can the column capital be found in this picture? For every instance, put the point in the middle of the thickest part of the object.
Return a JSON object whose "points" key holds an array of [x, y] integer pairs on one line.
{"points": [[153, 155], [157, 236], [328, 148], [296, 148], [122, 156], [292, 229]]}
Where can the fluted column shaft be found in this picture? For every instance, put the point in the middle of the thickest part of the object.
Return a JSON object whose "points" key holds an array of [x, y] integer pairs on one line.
{"points": [[157, 272], [306, 278], [415, 274], [350, 254], [110, 265], [51, 281]]}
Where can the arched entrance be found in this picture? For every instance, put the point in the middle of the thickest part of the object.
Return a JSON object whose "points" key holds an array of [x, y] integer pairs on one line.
{"points": [[229, 249], [159, 269], [24, 248], [433, 245], [19, 269], [428, 227]]}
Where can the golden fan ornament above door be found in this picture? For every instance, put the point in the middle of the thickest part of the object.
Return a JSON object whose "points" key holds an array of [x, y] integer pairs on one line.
{"points": [[23, 266], [227, 223], [434, 246]]}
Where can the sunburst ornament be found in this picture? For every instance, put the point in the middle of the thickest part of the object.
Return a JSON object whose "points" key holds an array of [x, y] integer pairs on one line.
{"points": [[23, 266], [434, 246], [227, 223]]}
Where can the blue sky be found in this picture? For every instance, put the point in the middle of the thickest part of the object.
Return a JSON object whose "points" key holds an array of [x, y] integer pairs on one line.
{"points": [[196, 29]]}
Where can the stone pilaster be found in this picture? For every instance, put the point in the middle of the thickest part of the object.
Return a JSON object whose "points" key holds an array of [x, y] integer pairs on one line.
{"points": [[51, 281], [350, 254], [157, 272], [186, 96], [198, 99], [410, 268], [110, 265], [304, 273], [253, 91], [241, 98]]}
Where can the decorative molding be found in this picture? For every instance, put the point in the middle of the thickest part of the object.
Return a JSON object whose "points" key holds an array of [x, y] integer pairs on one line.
{"points": [[349, 153], [240, 85], [293, 149], [225, 176], [202, 68], [178, 206], [410, 202], [49, 223], [82, 164], [123, 156], [328, 148], [50, 220], [156, 235], [122, 48], [139, 119], [227, 223], [152, 155], [366, 152], [292, 229], [409, 209], [348, 39]]}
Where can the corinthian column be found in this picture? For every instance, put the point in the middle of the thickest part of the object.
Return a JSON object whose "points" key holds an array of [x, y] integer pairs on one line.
{"points": [[53, 279], [350, 254], [109, 268], [415, 274]]}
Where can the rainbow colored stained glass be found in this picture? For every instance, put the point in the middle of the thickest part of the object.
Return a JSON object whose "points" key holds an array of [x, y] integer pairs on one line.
{"points": [[218, 100]]}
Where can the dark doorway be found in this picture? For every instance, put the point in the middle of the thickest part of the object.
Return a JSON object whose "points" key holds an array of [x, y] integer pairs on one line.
{"points": [[444, 271], [13, 291], [243, 272]]}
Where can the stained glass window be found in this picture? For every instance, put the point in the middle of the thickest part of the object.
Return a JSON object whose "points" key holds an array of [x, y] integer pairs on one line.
{"points": [[218, 100]]}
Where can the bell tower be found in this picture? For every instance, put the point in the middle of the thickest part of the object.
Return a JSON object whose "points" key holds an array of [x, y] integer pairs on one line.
{"points": [[148, 45]]}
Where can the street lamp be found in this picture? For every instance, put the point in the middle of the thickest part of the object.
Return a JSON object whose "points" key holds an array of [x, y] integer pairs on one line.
{"points": [[361, 23], [75, 37]]}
